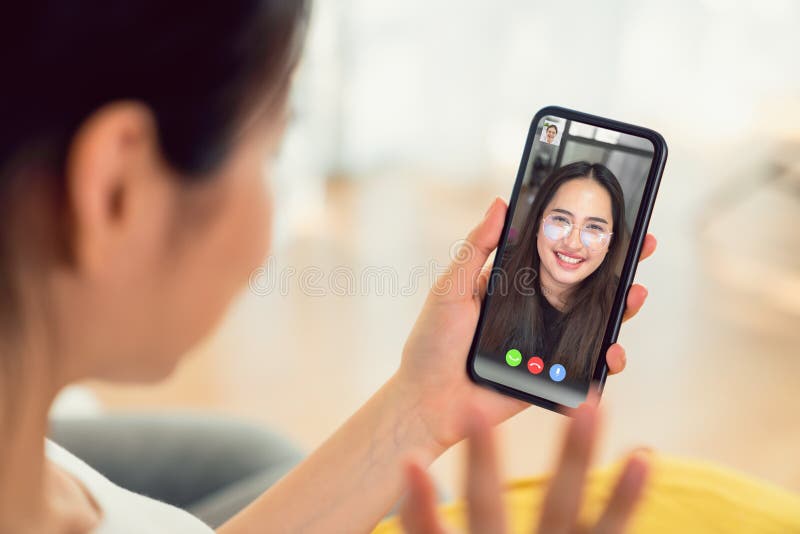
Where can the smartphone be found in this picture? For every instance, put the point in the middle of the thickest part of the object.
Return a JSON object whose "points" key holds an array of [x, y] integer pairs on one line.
{"points": [[576, 221]]}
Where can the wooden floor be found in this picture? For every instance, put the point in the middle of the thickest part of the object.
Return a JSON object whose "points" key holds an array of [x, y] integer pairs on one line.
{"points": [[714, 359]]}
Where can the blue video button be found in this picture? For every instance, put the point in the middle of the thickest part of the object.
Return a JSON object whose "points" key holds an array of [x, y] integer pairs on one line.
{"points": [[557, 372]]}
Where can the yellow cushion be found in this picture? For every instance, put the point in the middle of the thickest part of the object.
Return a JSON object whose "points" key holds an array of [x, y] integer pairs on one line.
{"points": [[681, 496]]}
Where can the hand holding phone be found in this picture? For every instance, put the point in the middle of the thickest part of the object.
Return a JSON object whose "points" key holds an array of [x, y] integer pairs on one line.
{"points": [[573, 234], [437, 347]]}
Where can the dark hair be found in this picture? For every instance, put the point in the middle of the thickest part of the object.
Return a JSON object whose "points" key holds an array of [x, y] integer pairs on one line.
{"points": [[199, 66], [516, 319], [553, 126], [195, 64]]}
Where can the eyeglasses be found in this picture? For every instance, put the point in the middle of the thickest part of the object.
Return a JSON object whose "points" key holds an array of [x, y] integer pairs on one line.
{"points": [[594, 235]]}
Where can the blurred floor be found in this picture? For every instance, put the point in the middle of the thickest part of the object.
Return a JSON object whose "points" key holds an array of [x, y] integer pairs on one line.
{"points": [[712, 360]]}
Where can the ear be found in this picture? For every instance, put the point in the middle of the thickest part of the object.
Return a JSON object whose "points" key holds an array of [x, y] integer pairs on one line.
{"points": [[114, 153]]}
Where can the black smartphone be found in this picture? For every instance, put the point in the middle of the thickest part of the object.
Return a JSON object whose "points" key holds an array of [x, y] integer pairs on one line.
{"points": [[577, 218]]}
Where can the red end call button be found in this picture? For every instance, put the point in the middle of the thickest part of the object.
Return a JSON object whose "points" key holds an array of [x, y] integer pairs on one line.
{"points": [[535, 365]]}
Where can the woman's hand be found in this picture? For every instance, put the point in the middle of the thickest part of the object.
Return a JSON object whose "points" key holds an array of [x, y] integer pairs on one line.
{"points": [[562, 503], [356, 475], [434, 357]]}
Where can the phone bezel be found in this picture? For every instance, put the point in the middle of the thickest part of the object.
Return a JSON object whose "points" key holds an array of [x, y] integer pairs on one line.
{"points": [[631, 259]]}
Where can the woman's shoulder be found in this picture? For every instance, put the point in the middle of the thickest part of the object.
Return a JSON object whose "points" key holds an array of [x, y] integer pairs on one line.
{"points": [[123, 511]]}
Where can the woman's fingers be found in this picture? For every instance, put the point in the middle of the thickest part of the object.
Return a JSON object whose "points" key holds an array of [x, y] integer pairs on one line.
{"points": [[648, 247], [469, 256], [484, 488], [418, 513], [627, 493], [616, 359], [563, 499], [637, 294]]}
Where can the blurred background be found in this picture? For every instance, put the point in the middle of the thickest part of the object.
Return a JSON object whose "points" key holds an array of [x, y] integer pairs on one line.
{"points": [[411, 116]]}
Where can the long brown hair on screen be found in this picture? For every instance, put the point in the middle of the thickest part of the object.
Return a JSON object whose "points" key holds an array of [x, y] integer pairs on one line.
{"points": [[514, 317]]}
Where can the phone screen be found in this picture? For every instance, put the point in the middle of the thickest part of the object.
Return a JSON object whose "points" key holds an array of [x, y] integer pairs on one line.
{"points": [[576, 222]]}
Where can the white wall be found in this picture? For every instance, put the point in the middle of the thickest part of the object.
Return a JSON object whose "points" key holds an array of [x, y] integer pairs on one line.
{"points": [[449, 86]]}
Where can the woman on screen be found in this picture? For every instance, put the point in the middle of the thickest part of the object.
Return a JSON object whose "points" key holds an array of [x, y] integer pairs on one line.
{"points": [[570, 243], [550, 134]]}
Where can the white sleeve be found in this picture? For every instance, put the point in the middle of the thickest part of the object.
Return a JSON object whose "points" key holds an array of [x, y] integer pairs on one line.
{"points": [[125, 512]]}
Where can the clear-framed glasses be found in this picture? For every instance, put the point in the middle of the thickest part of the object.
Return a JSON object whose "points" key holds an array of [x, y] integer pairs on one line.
{"points": [[594, 235]]}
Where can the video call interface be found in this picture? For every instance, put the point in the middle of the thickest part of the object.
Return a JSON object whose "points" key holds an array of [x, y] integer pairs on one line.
{"points": [[551, 295]]}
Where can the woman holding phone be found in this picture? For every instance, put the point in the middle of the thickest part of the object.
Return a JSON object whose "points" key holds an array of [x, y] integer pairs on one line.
{"points": [[572, 241], [133, 209]]}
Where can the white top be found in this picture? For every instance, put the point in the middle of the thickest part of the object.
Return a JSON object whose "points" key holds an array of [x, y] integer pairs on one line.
{"points": [[124, 511]]}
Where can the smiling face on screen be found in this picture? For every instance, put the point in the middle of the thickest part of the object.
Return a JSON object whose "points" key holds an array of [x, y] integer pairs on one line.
{"points": [[551, 134], [566, 260]]}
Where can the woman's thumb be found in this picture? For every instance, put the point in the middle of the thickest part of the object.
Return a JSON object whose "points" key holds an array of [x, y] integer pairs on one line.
{"points": [[469, 255]]}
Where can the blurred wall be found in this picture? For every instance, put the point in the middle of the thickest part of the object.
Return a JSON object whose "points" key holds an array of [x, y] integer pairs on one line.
{"points": [[449, 87]]}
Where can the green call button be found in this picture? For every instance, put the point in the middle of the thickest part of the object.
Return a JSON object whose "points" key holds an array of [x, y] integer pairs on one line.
{"points": [[513, 357]]}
